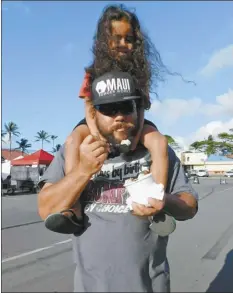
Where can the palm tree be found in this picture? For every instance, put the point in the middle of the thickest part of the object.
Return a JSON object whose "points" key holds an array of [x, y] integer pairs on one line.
{"points": [[56, 148], [43, 136], [3, 135], [53, 137], [23, 145], [197, 145], [170, 139], [12, 130]]}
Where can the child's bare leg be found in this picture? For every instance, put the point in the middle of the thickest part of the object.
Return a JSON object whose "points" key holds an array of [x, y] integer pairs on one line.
{"points": [[157, 145], [71, 146], [71, 161]]}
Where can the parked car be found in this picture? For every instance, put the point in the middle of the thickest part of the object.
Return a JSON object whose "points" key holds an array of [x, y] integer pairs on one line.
{"points": [[192, 173], [202, 173], [228, 173]]}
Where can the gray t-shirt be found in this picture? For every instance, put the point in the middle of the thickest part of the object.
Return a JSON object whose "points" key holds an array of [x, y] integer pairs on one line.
{"points": [[118, 252]]}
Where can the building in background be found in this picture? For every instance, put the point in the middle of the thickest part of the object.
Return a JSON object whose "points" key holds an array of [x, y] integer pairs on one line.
{"points": [[6, 160], [193, 160], [216, 164]]}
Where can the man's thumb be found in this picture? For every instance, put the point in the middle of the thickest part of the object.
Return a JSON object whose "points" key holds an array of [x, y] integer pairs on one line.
{"points": [[89, 139]]}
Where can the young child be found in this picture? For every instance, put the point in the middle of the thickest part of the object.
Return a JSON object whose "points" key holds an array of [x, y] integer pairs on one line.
{"points": [[119, 44]]}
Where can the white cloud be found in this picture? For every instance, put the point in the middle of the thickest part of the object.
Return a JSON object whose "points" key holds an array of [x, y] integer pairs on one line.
{"points": [[212, 128], [219, 60], [224, 105], [183, 142], [171, 110]]}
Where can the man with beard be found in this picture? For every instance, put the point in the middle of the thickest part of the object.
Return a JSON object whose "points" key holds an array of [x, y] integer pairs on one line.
{"points": [[119, 44], [116, 251]]}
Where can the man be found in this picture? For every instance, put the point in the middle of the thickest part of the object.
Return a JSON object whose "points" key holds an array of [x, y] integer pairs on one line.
{"points": [[117, 250]]}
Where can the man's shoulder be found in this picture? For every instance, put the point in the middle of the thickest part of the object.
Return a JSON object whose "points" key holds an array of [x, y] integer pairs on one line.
{"points": [[81, 122], [148, 122], [171, 154], [174, 161]]}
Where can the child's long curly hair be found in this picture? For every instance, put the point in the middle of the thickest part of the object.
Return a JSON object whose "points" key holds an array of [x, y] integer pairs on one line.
{"points": [[143, 63]]}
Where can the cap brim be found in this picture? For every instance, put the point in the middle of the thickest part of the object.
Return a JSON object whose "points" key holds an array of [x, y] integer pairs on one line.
{"points": [[114, 100]]}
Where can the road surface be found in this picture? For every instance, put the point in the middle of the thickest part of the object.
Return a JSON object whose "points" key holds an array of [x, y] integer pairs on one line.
{"points": [[200, 251]]}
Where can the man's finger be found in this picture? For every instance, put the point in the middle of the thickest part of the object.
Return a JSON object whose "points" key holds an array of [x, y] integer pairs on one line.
{"points": [[97, 136], [102, 157], [89, 139], [99, 151], [156, 203], [136, 209], [97, 144], [142, 210]]}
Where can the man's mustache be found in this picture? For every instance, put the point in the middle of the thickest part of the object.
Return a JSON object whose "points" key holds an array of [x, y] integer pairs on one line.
{"points": [[122, 125]]}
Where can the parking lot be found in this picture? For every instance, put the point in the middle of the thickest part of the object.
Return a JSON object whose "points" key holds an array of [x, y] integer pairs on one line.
{"points": [[200, 251]]}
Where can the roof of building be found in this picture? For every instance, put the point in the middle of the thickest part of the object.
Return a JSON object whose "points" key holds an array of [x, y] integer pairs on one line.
{"points": [[40, 157], [14, 154], [217, 158]]}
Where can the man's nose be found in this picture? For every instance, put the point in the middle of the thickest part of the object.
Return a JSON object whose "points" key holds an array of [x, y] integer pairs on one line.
{"points": [[119, 117], [122, 42]]}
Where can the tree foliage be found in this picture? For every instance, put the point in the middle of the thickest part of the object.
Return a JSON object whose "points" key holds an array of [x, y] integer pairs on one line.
{"points": [[222, 145], [42, 136], [23, 145]]}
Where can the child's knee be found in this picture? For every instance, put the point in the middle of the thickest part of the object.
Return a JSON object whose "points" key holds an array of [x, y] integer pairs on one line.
{"points": [[163, 140]]}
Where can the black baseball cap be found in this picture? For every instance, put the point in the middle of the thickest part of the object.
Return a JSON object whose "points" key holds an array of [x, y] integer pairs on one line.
{"points": [[112, 87]]}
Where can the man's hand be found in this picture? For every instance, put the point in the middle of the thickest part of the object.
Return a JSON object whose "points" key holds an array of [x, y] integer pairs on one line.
{"points": [[93, 153], [141, 210]]}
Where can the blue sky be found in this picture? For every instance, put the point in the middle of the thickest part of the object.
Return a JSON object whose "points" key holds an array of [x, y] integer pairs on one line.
{"points": [[46, 45]]}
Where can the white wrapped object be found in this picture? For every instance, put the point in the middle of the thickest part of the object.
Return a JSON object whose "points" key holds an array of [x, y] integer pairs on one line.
{"points": [[126, 142], [142, 188], [125, 145]]}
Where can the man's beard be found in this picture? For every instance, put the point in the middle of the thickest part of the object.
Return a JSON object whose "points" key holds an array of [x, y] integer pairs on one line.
{"points": [[111, 135]]}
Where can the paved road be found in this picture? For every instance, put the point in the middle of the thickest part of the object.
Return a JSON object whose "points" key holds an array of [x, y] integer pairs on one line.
{"points": [[200, 251]]}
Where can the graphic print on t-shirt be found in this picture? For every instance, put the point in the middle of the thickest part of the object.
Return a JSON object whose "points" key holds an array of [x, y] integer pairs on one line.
{"points": [[106, 192]]}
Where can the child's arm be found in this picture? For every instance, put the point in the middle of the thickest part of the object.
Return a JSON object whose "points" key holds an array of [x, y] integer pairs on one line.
{"points": [[157, 145], [141, 125], [90, 118], [85, 93], [71, 144]]}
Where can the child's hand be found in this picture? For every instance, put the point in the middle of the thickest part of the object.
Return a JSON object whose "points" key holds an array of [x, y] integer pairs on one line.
{"points": [[98, 136]]}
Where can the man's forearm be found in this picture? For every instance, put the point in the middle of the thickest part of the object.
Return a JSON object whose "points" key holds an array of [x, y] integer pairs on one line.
{"points": [[182, 206], [63, 194]]}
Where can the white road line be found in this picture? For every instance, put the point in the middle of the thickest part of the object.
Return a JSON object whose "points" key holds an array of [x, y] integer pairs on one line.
{"points": [[224, 190], [34, 251], [55, 244]]}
